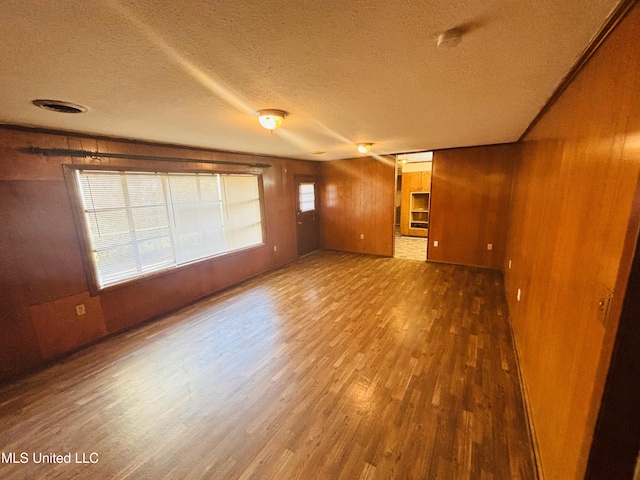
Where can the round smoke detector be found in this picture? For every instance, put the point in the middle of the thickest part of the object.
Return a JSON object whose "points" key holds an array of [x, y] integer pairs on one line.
{"points": [[59, 106]]}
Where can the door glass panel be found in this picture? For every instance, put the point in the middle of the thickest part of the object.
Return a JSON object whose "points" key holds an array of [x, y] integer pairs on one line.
{"points": [[307, 197]]}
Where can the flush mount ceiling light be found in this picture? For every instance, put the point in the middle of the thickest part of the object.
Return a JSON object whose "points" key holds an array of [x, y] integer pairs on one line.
{"points": [[271, 119], [449, 39], [59, 106], [364, 147]]}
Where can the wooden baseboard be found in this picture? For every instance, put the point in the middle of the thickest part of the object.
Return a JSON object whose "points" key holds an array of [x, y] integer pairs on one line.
{"points": [[527, 408]]}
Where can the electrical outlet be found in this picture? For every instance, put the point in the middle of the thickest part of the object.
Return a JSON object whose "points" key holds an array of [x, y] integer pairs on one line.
{"points": [[80, 310], [362, 236], [489, 246], [518, 296], [436, 243], [509, 264]]}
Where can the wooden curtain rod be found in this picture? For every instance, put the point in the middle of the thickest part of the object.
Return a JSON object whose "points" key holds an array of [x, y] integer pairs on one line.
{"points": [[67, 152]]}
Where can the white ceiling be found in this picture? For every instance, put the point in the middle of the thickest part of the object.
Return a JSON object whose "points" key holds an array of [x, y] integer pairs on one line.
{"points": [[193, 72]]}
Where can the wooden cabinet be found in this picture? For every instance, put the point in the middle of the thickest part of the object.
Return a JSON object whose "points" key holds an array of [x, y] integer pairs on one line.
{"points": [[414, 209], [419, 214], [418, 181]]}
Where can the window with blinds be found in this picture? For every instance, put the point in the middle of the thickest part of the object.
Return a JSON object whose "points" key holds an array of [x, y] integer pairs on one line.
{"points": [[139, 223]]}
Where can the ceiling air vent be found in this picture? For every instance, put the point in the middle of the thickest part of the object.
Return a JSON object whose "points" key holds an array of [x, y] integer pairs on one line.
{"points": [[59, 106]]}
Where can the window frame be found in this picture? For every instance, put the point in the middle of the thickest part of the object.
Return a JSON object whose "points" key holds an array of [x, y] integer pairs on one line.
{"points": [[82, 227]]}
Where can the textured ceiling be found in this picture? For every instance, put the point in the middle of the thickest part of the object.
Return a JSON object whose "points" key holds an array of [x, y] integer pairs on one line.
{"points": [[194, 72]]}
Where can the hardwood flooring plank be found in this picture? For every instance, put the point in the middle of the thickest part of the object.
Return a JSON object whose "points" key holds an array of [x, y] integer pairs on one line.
{"points": [[337, 366]]}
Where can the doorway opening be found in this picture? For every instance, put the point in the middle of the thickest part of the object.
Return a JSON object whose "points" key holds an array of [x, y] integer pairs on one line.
{"points": [[413, 205]]}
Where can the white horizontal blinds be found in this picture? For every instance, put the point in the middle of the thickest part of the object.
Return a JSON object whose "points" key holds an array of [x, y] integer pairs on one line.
{"points": [[151, 228], [197, 216], [128, 224], [243, 222], [307, 197], [145, 222]]}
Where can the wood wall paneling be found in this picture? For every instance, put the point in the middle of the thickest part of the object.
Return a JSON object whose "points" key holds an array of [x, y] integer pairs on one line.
{"points": [[573, 190], [43, 273], [60, 330], [15, 165], [470, 190], [46, 243], [339, 205], [140, 301], [148, 298], [18, 342], [381, 215], [357, 199]]}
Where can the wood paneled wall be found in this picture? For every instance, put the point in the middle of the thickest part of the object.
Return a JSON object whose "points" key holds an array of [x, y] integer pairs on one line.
{"points": [[42, 274], [470, 193], [573, 192], [357, 199]]}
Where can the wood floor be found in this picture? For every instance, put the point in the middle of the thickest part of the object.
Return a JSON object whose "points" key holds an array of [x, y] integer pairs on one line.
{"points": [[340, 366]]}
